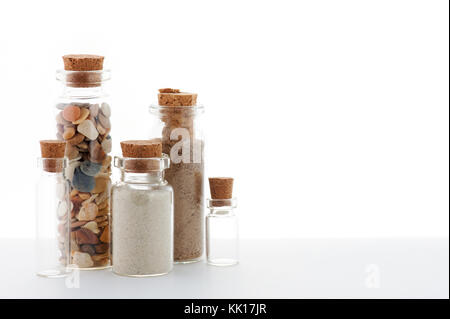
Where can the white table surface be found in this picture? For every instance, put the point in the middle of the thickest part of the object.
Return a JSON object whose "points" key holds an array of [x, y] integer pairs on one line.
{"points": [[294, 268]]}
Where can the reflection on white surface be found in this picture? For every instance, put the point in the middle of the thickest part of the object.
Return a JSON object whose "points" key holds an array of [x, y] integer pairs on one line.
{"points": [[294, 268]]}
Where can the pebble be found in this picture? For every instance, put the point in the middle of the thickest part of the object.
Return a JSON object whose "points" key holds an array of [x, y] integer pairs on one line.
{"points": [[87, 128], [77, 203], [85, 236], [90, 199], [84, 115], [101, 129], [101, 198], [92, 226], [83, 146], [94, 110], [101, 248], [88, 212], [103, 224], [69, 132], [88, 249], [61, 120], [83, 182], [107, 161], [78, 223], [71, 113], [104, 121], [103, 212], [96, 153], [106, 110], [100, 219], [90, 168], [84, 196], [82, 260], [105, 235], [77, 139], [101, 257], [101, 184], [107, 144], [102, 205]]}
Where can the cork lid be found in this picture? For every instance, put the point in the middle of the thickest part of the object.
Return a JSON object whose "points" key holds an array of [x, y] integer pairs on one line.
{"points": [[52, 148], [141, 155], [141, 148], [174, 97], [221, 187], [83, 62], [52, 152], [83, 70]]}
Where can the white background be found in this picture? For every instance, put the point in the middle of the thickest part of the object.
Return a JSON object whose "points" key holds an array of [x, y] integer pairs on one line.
{"points": [[333, 116]]}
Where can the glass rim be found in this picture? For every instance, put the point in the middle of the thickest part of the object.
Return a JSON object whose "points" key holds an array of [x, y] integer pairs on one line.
{"points": [[57, 164], [105, 75], [154, 163], [198, 108], [222, 203]]}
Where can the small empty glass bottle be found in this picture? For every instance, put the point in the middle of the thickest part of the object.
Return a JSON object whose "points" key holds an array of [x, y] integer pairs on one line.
{"points": [[222, 233], [52, 214]]}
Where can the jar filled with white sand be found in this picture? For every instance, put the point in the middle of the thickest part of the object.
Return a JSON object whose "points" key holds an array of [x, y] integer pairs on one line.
{"points": [[142, 206]]}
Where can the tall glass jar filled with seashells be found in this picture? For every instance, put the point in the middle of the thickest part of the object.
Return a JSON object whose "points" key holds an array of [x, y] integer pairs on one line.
{"points": [[83, 121]]}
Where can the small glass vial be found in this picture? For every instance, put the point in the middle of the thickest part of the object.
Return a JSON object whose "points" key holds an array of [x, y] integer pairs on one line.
{"points": [[142, 206], [222, 235], [52, 212], [83, 120]]}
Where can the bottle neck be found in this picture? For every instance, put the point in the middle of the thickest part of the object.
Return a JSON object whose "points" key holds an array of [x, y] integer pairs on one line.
{"points": [[52, 166], [83, 92], [221, 211], [153, 177]]}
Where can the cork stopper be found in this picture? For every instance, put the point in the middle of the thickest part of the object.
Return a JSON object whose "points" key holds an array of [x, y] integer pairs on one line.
{"points": [[221, 187], [141, 148], [79, 66], [83, 62], [52, 148], [173, 97], [52, 152], [144, 149]]}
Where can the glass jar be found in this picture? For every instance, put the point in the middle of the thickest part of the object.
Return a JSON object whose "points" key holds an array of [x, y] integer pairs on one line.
{"points": [[142, 205], [180, 130], [83, 121], [222, 236], [52, 218]]}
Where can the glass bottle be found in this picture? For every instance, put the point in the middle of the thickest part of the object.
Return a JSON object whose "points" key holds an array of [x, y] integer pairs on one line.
{"points": [[222, 235], [83, 120], [142, 205], [52, 218], [180, 130]]}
